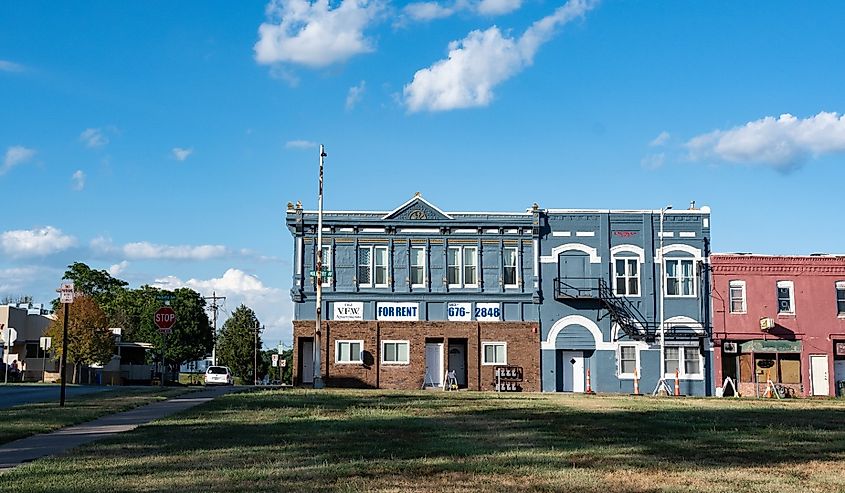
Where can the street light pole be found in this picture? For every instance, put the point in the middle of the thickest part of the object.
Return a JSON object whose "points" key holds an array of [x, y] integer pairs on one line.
{"points": [[661, 382], [318, 380]]}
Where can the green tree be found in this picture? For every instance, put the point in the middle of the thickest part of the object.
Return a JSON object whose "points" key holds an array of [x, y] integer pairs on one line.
{"points": [[191, 337], [284, 376], [237, 343], [98, 284], [89, 339]]}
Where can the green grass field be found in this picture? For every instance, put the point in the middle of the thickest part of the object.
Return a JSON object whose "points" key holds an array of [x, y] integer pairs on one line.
{"points": [[30, 419], [435, 441]]}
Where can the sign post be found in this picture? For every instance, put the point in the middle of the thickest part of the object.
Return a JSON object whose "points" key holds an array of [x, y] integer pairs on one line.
{"points": [[164, 319], [66, 297], [10, 335], [45, 343]]}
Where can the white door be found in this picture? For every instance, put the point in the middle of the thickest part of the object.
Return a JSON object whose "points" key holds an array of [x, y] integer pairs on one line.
{"points": [[306, 361], [573, 371], [433, 364], [818, 374], [457, 362], [838, 371]]}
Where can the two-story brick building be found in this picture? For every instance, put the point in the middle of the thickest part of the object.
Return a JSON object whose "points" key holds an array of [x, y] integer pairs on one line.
{"points": [[415, 292], [779, 318], [540, 297]]}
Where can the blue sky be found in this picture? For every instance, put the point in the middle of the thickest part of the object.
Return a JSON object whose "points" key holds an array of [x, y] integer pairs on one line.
{"points": [[162, 140]]}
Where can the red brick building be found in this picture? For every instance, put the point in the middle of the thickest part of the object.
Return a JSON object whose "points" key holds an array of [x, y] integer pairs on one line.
{"points": [[394, 355], [780, 318]]}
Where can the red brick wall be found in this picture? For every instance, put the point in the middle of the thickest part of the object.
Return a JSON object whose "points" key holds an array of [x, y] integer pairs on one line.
{"points": [[523, 349]]}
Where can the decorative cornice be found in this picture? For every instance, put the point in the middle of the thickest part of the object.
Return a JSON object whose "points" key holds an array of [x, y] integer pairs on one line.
{"points": [[777, 264]]}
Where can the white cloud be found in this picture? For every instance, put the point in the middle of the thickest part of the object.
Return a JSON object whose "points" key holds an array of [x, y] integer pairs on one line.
{"points": [[660, 140], [481, 61], [239, 287], [78, 179], [7, 66], [16, 155], [431, 10], [426, 11], [355, 94], [144, 250], [498, 7], [94, 137], [653, 161], [300, 144], [181, 154], [314, 34], [784, 143], [35, 242], [116, 269]]}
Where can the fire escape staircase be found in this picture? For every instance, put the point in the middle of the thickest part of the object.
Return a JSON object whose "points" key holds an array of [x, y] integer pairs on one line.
{"points": [[620, 309]]}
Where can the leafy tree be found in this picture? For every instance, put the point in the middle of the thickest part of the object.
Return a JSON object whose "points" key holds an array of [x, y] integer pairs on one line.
{"points": [[237, 343], [89, 339], [98, 284]]}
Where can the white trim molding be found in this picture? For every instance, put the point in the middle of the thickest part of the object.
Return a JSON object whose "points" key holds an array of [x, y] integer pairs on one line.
{"points": [[677, 247], [421, 199], [561, 233], [552, 258], [585, 322], [686, 321], [628, 248]]}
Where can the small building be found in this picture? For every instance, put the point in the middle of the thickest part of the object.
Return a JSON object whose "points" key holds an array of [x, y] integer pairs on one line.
{"points": [[415, 293], [779, 319], [30, 321]]}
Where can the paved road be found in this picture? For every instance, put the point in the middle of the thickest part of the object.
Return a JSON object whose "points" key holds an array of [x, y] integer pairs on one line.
{"points": [[14, 394], [58, 442]]}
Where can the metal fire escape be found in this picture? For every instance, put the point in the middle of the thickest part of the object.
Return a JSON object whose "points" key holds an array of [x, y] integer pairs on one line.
{"points": [[621, 310]]}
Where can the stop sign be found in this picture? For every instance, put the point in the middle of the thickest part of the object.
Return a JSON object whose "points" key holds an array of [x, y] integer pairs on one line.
{"points": [[164, 319]]}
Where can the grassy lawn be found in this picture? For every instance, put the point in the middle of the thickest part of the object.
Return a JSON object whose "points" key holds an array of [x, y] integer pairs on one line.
{"points": [[436, 441], [30, 419]]}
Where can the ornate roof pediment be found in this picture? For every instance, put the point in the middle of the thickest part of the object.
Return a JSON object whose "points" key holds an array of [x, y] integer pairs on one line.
{"points": [[417, 209]]}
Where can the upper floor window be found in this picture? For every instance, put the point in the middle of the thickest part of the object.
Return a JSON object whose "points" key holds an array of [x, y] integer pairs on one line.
{"points": [[786, 297], [626, 276], [462, 267], [417, 267], [840, 298], [737, 296], [372, 266], [510, 265], [680, 277]]}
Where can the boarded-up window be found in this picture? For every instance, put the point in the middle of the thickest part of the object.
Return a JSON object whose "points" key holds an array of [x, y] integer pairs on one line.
{"points": [[746, 368], [790, 368]]}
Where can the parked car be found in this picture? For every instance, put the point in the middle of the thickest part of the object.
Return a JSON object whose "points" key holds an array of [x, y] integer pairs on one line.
{"points": [[218, 375]]}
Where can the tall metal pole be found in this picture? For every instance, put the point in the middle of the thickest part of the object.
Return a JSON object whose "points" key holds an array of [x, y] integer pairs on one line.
{"points": [[63, 364], [662, 300], [318, 380], [255, 356]]}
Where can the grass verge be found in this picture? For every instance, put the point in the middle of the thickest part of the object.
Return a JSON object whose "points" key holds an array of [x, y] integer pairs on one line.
{"points": [[31, 419], [425, 441]]}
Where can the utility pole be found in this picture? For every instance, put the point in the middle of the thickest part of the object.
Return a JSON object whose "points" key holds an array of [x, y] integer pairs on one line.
{"points": [[214, 307], [255, 355], [318, 379]]}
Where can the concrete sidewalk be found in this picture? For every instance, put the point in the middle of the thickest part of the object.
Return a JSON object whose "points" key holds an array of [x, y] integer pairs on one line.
{"points": [[28, 449]]}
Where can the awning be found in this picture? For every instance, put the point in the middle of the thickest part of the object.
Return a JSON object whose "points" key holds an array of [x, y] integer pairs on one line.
{"points": [[770, 346]]}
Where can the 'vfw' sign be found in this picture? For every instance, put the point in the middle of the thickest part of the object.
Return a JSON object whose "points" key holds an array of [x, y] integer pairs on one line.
{"points": [[349, 310]]}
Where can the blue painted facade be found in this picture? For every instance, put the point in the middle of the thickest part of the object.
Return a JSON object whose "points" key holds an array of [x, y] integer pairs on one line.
{"points": [[600, 285], [415, 224], [565, 281]]}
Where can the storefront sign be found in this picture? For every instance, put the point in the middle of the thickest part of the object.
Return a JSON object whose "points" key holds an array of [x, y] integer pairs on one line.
{"points": [[460, 312], [349, 310], [398, 311], [488, 312], [770, 346], [839, 348]]}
